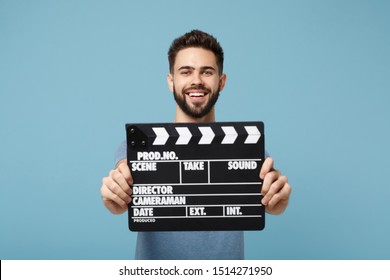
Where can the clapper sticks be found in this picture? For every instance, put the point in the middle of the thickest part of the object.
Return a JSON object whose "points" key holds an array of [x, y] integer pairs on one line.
{"points": [[190, 176]]}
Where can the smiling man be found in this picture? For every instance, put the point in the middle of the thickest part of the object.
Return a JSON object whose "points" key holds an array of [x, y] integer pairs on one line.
{"points": [[196, 79]]}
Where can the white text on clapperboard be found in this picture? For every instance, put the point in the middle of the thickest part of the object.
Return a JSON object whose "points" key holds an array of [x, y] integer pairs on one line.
{"points": [[160, 195]]}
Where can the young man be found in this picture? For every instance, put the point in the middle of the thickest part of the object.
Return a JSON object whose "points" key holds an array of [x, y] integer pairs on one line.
{"points": [[196, 78]]}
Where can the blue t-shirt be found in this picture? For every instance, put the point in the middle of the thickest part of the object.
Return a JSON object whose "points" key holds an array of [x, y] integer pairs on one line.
{"points": [[187, 245]]}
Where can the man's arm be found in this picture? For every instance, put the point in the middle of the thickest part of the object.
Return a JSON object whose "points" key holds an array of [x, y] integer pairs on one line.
{"points": [[116, 188], [276, 189]]}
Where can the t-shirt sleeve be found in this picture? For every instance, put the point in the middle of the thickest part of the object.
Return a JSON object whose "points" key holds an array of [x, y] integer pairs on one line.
{"points": [[121, 152]]}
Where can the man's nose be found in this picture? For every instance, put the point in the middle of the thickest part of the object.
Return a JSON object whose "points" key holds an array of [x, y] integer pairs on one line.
{"points": [[197, 79]]}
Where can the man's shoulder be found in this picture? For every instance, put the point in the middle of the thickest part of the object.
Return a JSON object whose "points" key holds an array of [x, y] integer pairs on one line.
{"points": [[120, 153]]}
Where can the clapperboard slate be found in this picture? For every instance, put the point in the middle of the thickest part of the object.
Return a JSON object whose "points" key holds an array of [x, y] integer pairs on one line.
{"points": [[190, 176]]}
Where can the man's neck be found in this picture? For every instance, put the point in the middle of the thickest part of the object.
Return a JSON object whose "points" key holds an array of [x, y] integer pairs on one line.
{"points": [[182, 117]]}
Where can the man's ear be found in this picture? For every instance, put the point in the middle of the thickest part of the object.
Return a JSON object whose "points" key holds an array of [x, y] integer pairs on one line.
{"points": [[222, 81], [170, 81]]}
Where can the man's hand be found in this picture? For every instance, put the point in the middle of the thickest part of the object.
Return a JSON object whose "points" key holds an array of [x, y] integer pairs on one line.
{"points": [[116, 188], [276, 189]]}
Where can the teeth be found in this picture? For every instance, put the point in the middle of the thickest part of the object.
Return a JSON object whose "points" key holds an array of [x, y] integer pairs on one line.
{"points": [[196, 94]]}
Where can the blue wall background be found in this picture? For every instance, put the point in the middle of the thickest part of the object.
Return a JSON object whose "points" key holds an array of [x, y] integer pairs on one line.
{"points": [[72, 73]]}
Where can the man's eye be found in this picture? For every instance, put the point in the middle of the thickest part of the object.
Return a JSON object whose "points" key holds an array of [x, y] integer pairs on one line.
{"points": [[185, 73], [207, 73]]}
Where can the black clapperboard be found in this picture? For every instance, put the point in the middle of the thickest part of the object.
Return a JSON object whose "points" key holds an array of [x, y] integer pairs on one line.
{"points": [[190, 176]]}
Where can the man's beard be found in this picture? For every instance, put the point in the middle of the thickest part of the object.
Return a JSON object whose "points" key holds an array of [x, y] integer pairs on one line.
{"points": [[196, 111]]}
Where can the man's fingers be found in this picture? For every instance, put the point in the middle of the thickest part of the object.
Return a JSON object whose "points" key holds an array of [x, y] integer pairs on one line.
{"points": [[109, 197], [282, 195], [275, 189], [116, 189], [269, 178], [267, 167], [274, 183], [120, 180], [124, 169]]}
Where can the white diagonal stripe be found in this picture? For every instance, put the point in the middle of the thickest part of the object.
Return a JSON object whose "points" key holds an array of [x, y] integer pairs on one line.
{"points": [[207, 135], [230, 134], [184, 135], [253, 135], [161, 136]]}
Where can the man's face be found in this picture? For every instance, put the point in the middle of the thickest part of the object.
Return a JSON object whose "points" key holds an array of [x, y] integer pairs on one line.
{"points": [[195, 81]]}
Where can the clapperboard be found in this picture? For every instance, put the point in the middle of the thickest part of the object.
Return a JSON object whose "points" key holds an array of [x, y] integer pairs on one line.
{"points": [[190, 176]]}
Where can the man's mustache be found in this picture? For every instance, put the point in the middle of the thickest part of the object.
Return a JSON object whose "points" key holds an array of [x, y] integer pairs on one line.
{"points": [[198, 87]]}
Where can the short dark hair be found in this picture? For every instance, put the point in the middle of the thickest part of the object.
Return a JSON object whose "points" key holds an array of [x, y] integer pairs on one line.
{"points": [[199, 39]]}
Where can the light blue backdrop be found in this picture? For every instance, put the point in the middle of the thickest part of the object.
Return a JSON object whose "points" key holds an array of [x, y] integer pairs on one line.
{"points": [[72, 73]]}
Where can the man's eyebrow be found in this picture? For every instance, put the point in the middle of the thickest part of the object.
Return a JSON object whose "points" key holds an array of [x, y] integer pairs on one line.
{"points": [[186, 67], [207, 68]]}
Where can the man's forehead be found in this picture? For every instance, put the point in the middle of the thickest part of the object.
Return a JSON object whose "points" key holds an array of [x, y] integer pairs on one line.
{"points": [[195, 57]]}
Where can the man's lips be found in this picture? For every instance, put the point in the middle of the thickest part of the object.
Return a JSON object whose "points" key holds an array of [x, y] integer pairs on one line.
{"points": [[196, 94]]}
